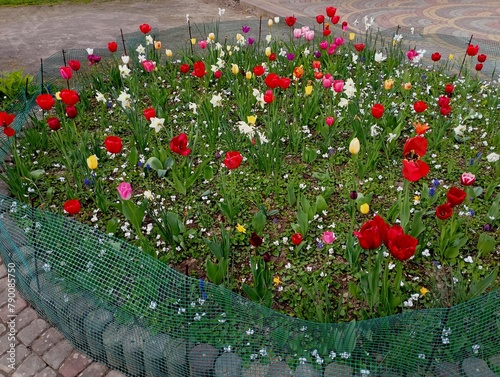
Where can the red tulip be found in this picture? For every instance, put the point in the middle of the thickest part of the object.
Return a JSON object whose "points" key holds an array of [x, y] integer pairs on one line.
{"points": [[233, 160], [383, 228], [218, 74], [178, 145], [359, 47], [369, 236], [272, 57], [149, 113], [472, 50], [184, 68], [436, 57], [455, 196], [445, 110], [290, 20], [320, 18], [148, 65], [413, 167], [378, 110], [443, 101], [258, 70], [449, 88], [272, 80], [284, 82], [5, 122], [467, 179], [330, 11], [268, 96], [45, 101], [479, 66], [112, 46], [145, 28], [66, 72], [402, 246], [74, 64], [481, 58], [199, 69], [335, 20], [69, 97], [255, 240], [113, 144], [296, 239], [326, 32], [316, 64], [53, 123], [444, 211], [420, 106], [71, 111], [72, 206]]}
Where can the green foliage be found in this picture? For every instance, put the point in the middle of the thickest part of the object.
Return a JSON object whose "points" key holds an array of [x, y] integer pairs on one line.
{"points": [[13, 83]]}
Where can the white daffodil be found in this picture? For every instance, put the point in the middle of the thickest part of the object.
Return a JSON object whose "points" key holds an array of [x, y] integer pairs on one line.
{"points": [[245, 128], [100, 97], [124, 70], [193, 106], [216, 100], [124, 99], [149, 40], [157, 124], [140, 49]]}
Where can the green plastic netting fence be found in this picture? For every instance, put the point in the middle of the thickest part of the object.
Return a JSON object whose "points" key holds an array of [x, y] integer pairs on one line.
{"points": [[137, 315]]}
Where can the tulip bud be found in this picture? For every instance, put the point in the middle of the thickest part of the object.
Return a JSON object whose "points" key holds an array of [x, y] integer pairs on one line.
{"points": [[354, 146], [92, 162], [364, 208], [353, 194], [169, 53], [270, 22], [266, 257]]}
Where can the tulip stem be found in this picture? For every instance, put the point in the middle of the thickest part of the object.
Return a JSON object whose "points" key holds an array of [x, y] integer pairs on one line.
{"points": [[41, 75], [64, 61], [465, 55], [260, 29], [190, 37]]}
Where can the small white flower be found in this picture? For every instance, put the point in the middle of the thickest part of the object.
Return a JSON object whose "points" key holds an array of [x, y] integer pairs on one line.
{"points": [[250, 332], [221, 12], [100, 97], [193, 107], [302, 360], [152, 305], [333, 355], [216, 100], [469, 259], [493, 157], [421, 356], [475, 348], [379, 57]]}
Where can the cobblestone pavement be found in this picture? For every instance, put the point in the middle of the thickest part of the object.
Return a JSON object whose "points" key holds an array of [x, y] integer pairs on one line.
{"points": [[40, 349]]}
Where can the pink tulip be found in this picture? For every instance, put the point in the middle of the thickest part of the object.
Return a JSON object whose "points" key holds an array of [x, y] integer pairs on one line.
{"points": [[297, 33], [332, 48], [309, 35], [203, 44], [328, 237], [323, 45], [66, 72], [329, 120], [338, 85], [148, 65], [327, 82], [339, 41], [125, 190]]}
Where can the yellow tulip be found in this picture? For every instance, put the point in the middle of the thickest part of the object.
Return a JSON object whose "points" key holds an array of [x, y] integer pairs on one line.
{"points": [[251, 119], [169, 53], [248, 75], [354, 146], [308, 90], [157, 45], [407, 85], [193, 41], [388, 84], [270, 22], [364, 208], [268, 51], [92, 162], [235, 69], [352, 36], [58, 96]]}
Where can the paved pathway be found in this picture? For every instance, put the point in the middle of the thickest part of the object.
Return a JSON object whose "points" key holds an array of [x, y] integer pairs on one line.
{"points": [[40, 349]]}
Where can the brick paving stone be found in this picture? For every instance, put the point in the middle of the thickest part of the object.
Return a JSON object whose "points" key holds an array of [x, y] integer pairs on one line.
{"points": [[3, 270], [2, 328], [12, 308], [32, 365], [57, 354], [114, 373], [4, 343], [32, 331], [4, 292], [94, 370], [21, 353], [47, 372], [24, 318], [47, 340], [74, 364]]}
